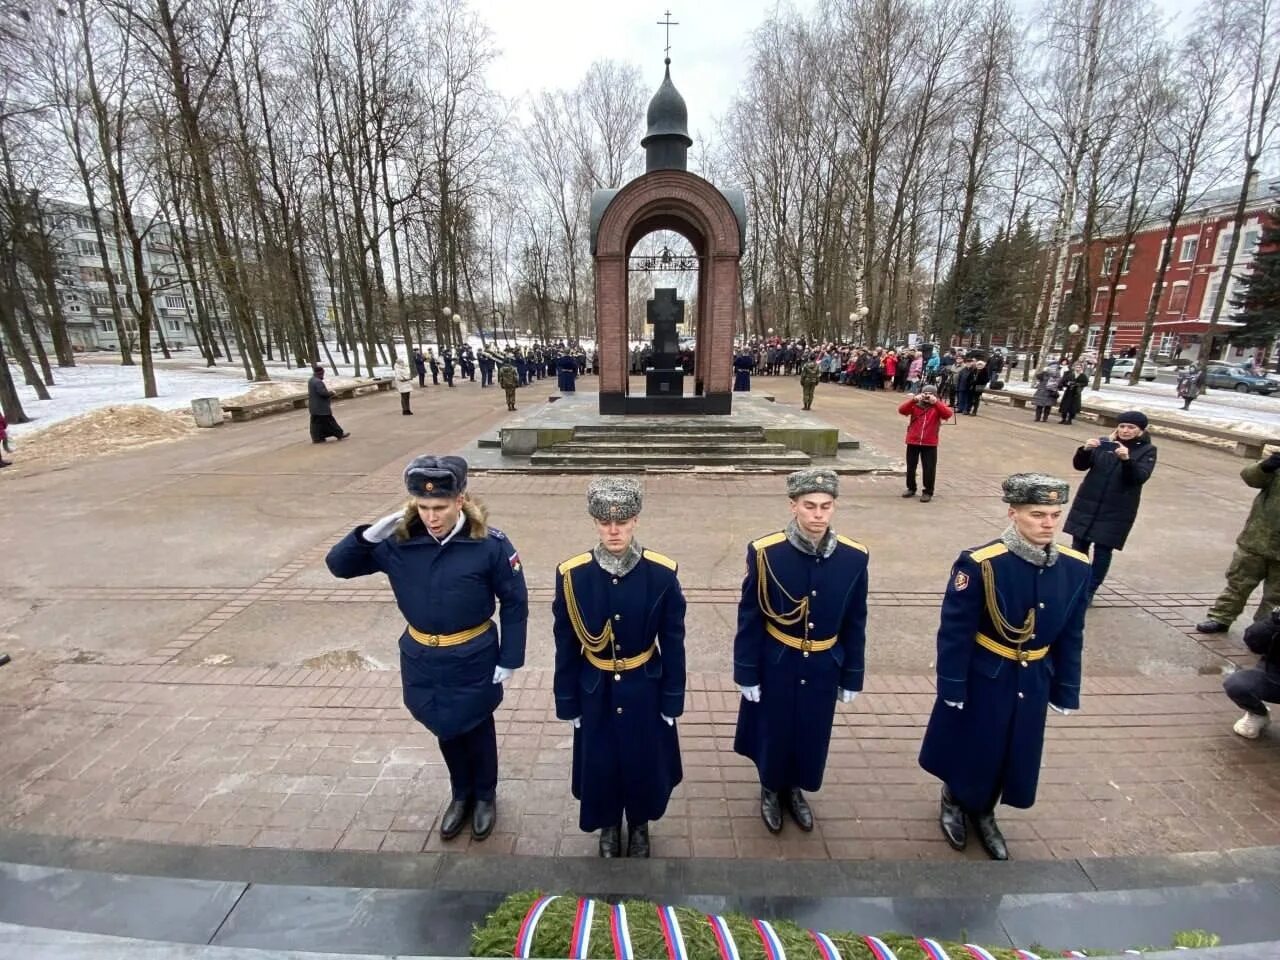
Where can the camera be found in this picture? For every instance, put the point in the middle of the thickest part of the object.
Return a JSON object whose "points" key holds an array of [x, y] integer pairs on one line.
{"points": [[1260, 637]]}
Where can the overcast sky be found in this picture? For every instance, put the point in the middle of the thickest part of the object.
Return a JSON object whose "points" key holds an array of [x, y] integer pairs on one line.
{"points": [[549, 45]]}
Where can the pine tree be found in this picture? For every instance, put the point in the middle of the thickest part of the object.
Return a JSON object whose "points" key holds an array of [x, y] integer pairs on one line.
{"points": [[1257, 299]]}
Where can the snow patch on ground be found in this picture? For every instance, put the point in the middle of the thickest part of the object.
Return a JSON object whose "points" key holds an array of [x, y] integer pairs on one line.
{"points": [[1252, 414]]}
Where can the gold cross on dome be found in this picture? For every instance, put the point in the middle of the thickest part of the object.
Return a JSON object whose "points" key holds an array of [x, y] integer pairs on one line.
{"points": [[668, 23]]}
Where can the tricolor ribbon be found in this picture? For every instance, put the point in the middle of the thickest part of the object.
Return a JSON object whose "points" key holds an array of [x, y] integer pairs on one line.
{"points": [[582, 930], [724, 938], [620, 933], [826, 946], [932, 949], [1025, 955], [879, 949], [769, 938], [671, 934], [529, 926], [978, 953]]}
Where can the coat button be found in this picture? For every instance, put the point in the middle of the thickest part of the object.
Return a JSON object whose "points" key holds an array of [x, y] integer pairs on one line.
{"points": [[615, 580], [1041, 605], [1019, 694], [803, 682], [619, 709], [1023, 662], [617, 616], [811, 626], [813, 593]]}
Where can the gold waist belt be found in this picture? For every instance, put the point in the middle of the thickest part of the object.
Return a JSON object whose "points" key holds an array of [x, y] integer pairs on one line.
{"points": [[1010, 653], [796, 643], [448, 639], [625, 663]]}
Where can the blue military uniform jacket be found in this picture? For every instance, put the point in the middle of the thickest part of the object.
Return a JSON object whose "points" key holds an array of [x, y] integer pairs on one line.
{"points": [[567, 374], [990, 751], [443, 590], [742, 367], [626, 758], [788, 732]]}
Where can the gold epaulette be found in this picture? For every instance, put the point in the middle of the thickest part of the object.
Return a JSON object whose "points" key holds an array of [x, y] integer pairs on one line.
{"points": [[989, 552], [851, 543], [770, 540], [1073, 553], [660, 558], [572, 562]]}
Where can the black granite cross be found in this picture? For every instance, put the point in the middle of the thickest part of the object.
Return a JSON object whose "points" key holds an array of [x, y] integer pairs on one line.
{"points": [[665, 312]]}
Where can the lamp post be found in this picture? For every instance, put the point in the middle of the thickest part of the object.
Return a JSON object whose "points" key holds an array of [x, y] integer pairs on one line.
{"points": [[445, 333]]}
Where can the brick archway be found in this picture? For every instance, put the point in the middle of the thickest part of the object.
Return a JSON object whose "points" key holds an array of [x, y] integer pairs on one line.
{"points": [[686, 204]]}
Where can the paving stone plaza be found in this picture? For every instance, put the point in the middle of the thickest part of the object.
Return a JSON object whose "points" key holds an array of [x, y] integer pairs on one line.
{"points": [[187, 674]]}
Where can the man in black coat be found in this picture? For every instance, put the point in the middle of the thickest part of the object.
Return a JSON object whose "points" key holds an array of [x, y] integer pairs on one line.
{"points": [[1107, 502], [319, 405], [1254, 688]]}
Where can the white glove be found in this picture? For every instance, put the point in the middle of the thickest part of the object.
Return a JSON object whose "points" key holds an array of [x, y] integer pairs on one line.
{"points": [[502, 674], [751, 693], [848, 696], [577, 722], [380, 530], [958, 704], [1057, 709], [670, 722]]}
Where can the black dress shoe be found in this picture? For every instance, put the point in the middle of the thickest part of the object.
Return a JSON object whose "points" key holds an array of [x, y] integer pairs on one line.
{"points": [[611, 842], [800, 811], [771, 810], [1212, 626], [483, 819], [638, 840], [951, 819], [454, 818], [991, 837]]}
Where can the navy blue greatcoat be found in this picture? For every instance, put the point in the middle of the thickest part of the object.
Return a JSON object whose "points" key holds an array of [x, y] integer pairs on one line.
{"points": [[441, 590], [788, 732], [742, 367], [567, 374], [626, 758], [990, 751]]}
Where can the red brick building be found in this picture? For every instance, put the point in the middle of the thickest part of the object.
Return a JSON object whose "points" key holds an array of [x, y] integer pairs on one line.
{"points": [[1191, 282]]}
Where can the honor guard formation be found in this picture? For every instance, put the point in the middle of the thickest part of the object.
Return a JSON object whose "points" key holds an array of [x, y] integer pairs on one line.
{"points": [[1010, 645]]}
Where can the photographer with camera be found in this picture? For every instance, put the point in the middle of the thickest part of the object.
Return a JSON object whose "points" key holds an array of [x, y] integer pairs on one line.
{"points": [[1253, 689], [927, 412]]}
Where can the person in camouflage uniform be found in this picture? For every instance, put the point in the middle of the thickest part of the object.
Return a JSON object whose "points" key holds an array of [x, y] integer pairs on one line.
{"points": [[1257, 556], [809, 377], [508, 379]]}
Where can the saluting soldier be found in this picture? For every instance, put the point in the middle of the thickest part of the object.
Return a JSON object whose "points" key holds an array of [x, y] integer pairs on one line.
{"points": [[1009, 646], [801, 637], [619, 675], [446, 567]]}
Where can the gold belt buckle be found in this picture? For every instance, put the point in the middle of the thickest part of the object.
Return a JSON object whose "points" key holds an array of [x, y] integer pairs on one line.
{"points": [[617, 669], [806, 645], [433, 639]]}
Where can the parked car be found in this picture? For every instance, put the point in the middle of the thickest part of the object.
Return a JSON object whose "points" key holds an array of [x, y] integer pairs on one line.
{"points": [[1123, 369], [1226, 376]]}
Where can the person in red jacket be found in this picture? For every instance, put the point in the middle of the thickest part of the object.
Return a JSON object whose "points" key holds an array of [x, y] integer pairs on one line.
{"points": [[927, 412], [4, 440]]}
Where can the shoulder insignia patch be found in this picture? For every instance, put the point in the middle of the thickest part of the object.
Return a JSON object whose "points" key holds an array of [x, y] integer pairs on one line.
{"points": [[1073, 553], [572, 562], [497, 534], [961, 580], [770, 540], [989, 552], [660, 558], [851, 543]]}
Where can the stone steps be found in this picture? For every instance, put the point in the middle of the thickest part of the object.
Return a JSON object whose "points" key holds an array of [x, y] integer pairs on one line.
{"points": [[690, 447], [604, 459]]}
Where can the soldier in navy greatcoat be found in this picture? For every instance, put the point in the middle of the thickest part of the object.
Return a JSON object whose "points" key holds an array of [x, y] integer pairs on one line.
{"points": [[1009, 647], [743, 364], [567, 373], [446, 566], [799, 647], [619, 676]]}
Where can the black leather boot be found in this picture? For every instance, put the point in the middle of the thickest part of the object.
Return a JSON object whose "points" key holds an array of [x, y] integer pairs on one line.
{"points": [[638, 840], [771, 810], [991, 837], [455, 818], [800, 810], [951, 819], [482, 821], [611, 842]]}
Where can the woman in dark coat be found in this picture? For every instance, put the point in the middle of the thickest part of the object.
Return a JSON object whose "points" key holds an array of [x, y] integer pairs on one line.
{"points": [[1107, 503], [1072, 386]]}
